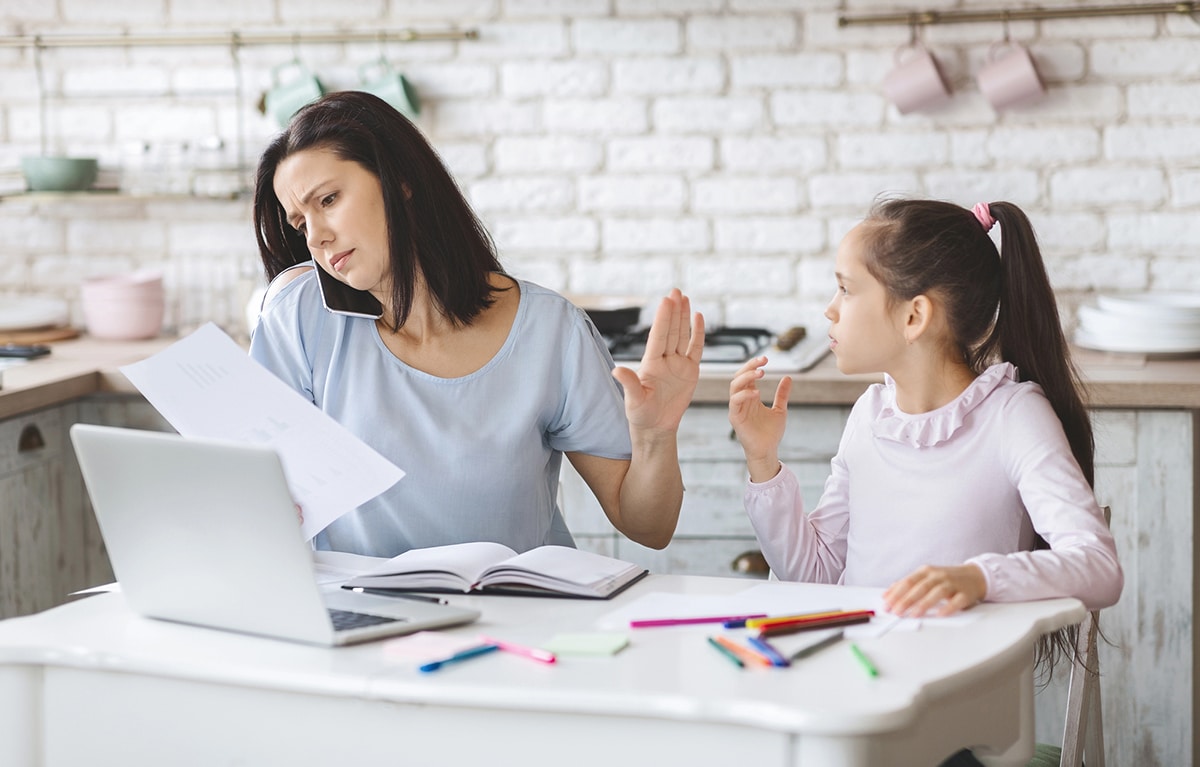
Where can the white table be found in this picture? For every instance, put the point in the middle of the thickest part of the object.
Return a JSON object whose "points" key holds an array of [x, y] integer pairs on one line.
{"points": [[91, 683]]}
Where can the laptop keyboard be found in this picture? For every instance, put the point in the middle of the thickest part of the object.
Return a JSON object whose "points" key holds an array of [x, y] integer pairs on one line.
{"points": [[345, 619]]}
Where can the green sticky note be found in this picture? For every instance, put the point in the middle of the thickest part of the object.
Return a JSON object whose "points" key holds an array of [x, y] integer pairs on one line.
{"points": [[595, 643]]}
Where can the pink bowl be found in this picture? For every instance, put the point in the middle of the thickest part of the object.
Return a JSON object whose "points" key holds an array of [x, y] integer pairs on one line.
{"points": [[123, 309]]}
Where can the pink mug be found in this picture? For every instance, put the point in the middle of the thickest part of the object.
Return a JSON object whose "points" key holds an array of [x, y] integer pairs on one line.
{"points": [[1009, 78], [916, 82]]}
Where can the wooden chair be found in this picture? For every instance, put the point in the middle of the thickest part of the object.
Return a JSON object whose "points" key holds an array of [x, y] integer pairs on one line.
{"points": [[1083, 732]]}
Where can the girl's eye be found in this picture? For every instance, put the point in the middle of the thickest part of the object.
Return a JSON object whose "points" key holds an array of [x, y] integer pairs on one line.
{"points": [[327, 200]]}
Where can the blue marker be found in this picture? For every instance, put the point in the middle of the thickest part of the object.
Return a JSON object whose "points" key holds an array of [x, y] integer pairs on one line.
{"points": [[456, 657], [768, 650]]}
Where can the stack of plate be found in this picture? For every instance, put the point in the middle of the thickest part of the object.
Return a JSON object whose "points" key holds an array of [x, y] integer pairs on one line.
{"points": [[1148, 323]]}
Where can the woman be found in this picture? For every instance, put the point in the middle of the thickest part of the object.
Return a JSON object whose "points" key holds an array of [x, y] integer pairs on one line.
{"points": [[408, 333]]}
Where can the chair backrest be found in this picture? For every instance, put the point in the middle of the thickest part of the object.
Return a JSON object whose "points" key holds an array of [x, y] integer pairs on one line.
{"points": [[1083, 733]]}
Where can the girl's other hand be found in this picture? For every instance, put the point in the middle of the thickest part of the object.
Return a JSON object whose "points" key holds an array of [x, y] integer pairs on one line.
{"points": [[657, 395], [942, 590], [299, 512], [758, 428]]}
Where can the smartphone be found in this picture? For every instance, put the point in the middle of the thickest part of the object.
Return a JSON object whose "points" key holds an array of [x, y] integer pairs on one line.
{"points": [[24, 351], [341, 298]]}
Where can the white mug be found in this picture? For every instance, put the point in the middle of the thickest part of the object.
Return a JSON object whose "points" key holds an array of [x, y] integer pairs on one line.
{"points": [[916, 82], [1009, 78]]}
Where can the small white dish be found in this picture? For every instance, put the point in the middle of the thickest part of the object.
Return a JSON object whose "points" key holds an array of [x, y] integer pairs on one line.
{"points": [[32, 313], [1143, 345], [1166, 305]]}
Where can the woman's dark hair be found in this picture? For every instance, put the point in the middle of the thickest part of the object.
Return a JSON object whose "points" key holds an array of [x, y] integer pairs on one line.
{"points": [[999, 306], [432, 232]]}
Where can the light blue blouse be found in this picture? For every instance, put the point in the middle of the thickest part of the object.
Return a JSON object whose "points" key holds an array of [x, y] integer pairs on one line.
{"points": [[482, 452]]}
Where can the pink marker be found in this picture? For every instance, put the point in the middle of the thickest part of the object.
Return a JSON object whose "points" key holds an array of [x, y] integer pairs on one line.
{"points": [[529, 652]]}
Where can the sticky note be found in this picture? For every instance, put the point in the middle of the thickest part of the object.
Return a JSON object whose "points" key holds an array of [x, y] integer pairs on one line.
{"points": [[593, 643], [428, 645]]}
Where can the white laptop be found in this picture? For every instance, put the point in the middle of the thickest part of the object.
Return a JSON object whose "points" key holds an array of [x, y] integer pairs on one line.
{"points": [[205, 532]]}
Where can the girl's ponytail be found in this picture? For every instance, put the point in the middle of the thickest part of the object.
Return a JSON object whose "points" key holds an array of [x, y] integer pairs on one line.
{"points": [[1029, 334]]}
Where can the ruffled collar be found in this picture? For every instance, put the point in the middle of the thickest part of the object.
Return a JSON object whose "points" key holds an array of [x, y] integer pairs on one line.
{"points": [[928, 429]]}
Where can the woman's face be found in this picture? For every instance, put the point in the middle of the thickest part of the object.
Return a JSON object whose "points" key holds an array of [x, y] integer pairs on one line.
{"points": [[337, 205], [867, 335]]}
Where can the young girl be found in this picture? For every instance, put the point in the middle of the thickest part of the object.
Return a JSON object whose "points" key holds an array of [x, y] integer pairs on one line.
{"points": [[954, 475]]}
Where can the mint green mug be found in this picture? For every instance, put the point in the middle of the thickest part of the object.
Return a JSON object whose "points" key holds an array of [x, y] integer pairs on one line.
{"points": [[379, 78], [285, 98]]}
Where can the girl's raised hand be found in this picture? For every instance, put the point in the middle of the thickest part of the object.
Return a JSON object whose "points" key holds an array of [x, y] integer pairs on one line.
{"points": [[661, 390], [759, 428], [943, 590]]}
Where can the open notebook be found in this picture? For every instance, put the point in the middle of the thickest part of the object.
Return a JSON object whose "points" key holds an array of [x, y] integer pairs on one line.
{"points": [[205, 532]]}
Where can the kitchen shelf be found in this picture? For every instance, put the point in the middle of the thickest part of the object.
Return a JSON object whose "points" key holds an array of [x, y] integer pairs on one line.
{"points": [[235, 39], [921, 18], [107, 195]]}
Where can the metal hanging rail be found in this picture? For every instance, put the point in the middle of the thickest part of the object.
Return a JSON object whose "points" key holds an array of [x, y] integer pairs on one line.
{"points": [[234, 39], [915, 18]]}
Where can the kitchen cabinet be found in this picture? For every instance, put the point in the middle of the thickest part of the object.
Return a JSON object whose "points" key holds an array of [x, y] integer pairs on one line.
{"points": [[1145, 471], [46, 545], [50, 545], [713, 529]]}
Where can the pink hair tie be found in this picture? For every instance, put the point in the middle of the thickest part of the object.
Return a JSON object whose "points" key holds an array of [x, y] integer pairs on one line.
{"points": [[984, 215]]}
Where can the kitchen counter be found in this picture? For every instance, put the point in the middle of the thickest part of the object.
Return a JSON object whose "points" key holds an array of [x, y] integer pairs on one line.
{"points": [[73, 369], [85, 366], [1112, 381]]}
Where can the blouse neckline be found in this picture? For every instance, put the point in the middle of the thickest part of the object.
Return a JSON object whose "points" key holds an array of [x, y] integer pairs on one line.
{"points": [[939, 425]]}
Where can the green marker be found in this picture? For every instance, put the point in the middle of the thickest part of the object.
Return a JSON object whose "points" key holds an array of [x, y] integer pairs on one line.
{"points": [[863, 660]]}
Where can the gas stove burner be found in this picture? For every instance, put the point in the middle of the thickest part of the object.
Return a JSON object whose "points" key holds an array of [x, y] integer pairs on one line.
{"points": [[722, 344]]}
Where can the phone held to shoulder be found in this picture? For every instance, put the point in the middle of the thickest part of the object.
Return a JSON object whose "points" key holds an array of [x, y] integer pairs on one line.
{"points": [[24, 351], [341, 298]]}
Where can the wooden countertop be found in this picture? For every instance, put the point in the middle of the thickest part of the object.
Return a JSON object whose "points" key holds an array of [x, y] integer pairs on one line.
{"points": [[1133, 381], [86, 366], [73, 369]]}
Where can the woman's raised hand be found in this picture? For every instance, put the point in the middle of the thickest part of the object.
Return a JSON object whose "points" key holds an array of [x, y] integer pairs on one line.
{"points": [[661, 390], [759, 428]]}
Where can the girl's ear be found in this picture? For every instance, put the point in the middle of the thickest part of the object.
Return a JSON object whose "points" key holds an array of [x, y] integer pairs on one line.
{"points": [[918, 317]]}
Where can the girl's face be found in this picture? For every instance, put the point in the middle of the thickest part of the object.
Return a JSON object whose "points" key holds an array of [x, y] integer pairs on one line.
{"points": [[338, 206], [867, 336]]}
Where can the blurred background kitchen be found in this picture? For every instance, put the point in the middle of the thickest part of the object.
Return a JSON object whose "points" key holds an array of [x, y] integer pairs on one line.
{"points": [[612, 146], [618, 148]]}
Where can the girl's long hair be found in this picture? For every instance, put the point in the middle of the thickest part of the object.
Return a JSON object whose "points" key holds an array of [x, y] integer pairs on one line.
{"points": [[999, 306], [433, 234]]}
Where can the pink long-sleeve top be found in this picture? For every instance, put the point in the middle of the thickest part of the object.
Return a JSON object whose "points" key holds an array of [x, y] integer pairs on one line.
{"points": [[969, 482]]}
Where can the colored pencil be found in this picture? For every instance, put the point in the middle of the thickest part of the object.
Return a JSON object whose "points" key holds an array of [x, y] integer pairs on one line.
{"points": [[653, 622], [828, 641], [787, 620], [863, 660], [792, 628], [747, 655], [765, 647], [726, 652]]}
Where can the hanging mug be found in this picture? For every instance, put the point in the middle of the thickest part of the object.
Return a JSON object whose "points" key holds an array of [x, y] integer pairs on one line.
{"points": [[379, 78], [916, 82], [1009, 78], [285, 97]]}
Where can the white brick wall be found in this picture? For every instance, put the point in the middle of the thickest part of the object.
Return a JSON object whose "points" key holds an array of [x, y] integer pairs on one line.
{"points": [[626, 146]]}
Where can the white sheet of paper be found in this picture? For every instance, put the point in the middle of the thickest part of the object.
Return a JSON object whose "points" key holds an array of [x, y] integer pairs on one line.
{"points": [[205, 385]]}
